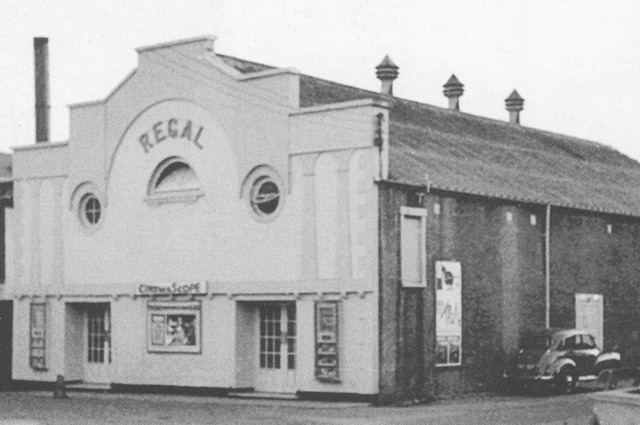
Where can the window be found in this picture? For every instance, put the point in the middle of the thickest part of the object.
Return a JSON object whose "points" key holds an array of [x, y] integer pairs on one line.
{"points": [[413, 254], [98, 348], [176, 175], [265, 196], [173, 327], [90, 210], [571, 343], [262, 189], [173, 181], [588, 342]]}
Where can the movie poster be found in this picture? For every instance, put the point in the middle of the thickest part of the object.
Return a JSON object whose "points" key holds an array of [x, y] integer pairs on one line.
{"points": [[174, 327], [448, 313], [38, 336], [327, 353]]}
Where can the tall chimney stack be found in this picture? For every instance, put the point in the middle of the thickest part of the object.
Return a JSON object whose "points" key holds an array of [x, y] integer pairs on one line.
{"points": [[514, 104], [41, 55], [453, 89], [386, 72]]}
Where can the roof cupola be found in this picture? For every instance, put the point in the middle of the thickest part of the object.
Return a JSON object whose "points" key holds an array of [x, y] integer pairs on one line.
{"points": [[453, 90], [514, 104], [387, 72]]}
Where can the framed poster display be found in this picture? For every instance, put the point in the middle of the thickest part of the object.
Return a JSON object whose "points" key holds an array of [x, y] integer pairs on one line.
{"points": [[38, 336], [327, 348], [448, 313], [174, 327]]}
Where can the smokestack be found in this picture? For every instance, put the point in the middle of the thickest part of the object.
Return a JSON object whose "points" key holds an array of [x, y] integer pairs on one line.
{"points": [[41, 55]]}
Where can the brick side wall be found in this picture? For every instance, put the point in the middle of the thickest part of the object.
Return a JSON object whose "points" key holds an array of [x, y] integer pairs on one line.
{"points": [[585, 258], [501, 251]]}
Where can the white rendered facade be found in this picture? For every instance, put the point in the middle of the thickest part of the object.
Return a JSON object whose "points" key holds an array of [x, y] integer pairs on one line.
{"points": [[184, 104]]}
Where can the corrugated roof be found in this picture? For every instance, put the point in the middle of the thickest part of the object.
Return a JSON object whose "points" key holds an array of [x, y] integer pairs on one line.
{"points": [[475, 155], [470, 154]]}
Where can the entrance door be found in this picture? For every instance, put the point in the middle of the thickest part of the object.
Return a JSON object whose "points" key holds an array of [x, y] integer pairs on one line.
{"points": [[276, 348], [97, 344], [590, 315]]}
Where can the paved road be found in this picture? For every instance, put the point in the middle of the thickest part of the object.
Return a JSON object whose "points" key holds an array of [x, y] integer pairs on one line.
{"points": [[87, 409]]}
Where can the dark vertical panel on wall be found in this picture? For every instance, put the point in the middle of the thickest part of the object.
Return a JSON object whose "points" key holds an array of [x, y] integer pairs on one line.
{"points": [[3, 251], [410, 345], [6, 343], [481, 293], [406, 324], [429, 299], [521, 246], [531, 301], [388, 293], [509, 221]]}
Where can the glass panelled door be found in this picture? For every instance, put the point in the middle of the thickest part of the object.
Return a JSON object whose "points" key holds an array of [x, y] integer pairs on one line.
{"points": [[276, 348], [98, 344]]}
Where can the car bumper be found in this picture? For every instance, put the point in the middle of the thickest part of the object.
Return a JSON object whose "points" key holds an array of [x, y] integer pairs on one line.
{"points": [[527, 378]]}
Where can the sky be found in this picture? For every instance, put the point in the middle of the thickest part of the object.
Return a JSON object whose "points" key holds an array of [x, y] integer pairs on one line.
{"points": [[576, 63]]}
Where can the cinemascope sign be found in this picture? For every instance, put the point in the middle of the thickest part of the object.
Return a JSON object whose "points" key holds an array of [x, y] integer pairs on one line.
{"points": [[173, 288]]}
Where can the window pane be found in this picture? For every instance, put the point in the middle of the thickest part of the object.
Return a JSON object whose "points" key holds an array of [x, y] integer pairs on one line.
{"points": [[265, 196], [176, 176], [411, 251]]}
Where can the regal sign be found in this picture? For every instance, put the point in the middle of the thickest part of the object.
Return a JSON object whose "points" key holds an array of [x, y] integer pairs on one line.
{"points": [[173, 288], [172, 128]]}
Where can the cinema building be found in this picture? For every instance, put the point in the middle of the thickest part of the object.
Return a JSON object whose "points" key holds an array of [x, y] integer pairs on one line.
{"points": [[220, 224]]}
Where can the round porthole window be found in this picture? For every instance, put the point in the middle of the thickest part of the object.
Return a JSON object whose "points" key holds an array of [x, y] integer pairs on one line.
{"points": [[265, 196], [90, 210]]}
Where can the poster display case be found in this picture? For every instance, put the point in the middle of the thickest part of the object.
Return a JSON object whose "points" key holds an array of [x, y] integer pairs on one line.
{"points": [[448, 313], [38, 336], [327, 343], [174, 327]]}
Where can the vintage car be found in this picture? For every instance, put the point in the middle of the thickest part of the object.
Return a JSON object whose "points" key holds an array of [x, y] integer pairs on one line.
{"points": [[560, 357]]}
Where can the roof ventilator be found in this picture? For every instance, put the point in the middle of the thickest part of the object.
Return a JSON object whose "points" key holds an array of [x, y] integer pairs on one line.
{"points": [[387, 72], [453, 90], [514, 104]]}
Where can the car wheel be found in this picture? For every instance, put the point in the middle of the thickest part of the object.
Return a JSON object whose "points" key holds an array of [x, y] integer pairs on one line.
{"points": [[566, 382]]}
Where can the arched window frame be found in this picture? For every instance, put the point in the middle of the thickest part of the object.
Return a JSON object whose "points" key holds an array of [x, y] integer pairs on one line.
{"points": [[156, 198]]}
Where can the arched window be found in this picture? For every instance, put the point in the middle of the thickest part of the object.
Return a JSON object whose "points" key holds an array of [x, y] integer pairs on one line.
{"points": [[173, 181]]}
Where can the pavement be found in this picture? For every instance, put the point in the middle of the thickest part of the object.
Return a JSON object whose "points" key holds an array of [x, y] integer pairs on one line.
{"points": [[91, 408]]}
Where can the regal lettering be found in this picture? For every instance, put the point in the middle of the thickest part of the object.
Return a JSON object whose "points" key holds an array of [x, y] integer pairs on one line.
{"points": [[172, 128]]}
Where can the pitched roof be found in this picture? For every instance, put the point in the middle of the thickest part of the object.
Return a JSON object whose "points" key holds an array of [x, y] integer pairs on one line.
{"points": [[464, 153], [244, 66]]}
